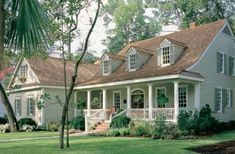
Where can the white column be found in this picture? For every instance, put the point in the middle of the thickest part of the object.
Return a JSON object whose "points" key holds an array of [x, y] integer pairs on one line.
{"points": [[150, 88], [176, 99], [104, 99], [128, 97], [197, 88], [42, 117], [75, 103], [88, 102]]}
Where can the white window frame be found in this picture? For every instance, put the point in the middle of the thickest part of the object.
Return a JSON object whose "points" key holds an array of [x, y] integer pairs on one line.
{"points": [[228, 97], [221, 99], [223, 63], [108, 67], [186, 86], [169, 56], [129, 61], [29, 106], [114, 98], [16, 106], [156, 91], [23, 71]]}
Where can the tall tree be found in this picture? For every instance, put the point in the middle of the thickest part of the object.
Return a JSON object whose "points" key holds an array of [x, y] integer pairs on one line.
{"points": [[24, 25], [130, 23]]}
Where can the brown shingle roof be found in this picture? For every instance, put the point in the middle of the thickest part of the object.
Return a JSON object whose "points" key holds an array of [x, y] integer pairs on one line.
{"points": [[50, 71], [196, 40]]}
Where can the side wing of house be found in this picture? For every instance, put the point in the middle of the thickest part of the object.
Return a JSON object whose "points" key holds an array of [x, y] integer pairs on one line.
{"points": [[217, 65]]}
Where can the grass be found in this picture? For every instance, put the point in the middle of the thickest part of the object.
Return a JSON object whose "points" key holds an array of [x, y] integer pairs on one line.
{"points": [[21, 135], [110, 145]]}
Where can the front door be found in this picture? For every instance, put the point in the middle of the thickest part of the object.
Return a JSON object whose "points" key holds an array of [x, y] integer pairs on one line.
{"points": [[137, 99]]}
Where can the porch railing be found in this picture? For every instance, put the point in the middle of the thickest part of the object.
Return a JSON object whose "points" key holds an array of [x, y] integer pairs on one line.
{"points": [[168, 113], [94, 118], [138, 114]]}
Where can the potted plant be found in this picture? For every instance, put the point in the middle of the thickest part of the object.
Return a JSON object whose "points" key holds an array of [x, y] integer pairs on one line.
{"points": [[162, 100]]}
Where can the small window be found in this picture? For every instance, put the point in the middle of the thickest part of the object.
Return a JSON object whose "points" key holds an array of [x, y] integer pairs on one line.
{"points": [[106, 67], [17, 106], [160, 91], [183, 96], [132, 62], [117, 100], [228, 98], [166, 55], [221, 62], [30, 106], [23, 71], [218, 101]]}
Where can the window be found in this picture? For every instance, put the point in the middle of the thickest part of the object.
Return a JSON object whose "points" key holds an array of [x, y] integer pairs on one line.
{"points": [[218, 100], [132, 62], [23, 71], [221, 62], [183, 96], [117, 100], [160, 91], [166, 55], [18, 106], [228, 98], [106, 67], [30, 106], [231, 66]]}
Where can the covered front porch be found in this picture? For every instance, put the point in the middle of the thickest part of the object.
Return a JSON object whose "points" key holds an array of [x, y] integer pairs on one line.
{"points": [[140, 101]]}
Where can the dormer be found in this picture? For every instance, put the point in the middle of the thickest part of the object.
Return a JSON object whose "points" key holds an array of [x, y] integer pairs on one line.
{"points": [[136, 57], [169, 51], [109, 63]]}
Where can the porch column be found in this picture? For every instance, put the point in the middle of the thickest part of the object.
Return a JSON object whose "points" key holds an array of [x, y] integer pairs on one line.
{"points": [[88, 102], [104, 99], [75, 104], [176, 99], [150, 88], [42, 112], [197, 88], [128, 97]]}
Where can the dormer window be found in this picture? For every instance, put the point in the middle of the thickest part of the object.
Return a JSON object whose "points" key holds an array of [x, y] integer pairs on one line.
{"points": [[106, 67], [23, 71], [166, 55], [132, 62]]}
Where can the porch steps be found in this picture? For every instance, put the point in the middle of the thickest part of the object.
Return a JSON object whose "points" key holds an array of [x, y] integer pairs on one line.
{"points": [[101, 127]]}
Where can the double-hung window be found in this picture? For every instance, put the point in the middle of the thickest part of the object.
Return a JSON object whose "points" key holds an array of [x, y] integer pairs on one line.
{"points": [[228, 98], [30, 106], [132, 62], [117, 99], [106, 66], [23, 71], [18, 106], [218, 100], [165, 55], [231, 66], [221, 62], [183, 96]]}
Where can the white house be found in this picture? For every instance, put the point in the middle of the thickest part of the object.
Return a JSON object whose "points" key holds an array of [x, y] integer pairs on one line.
{"points": [[192, 67]]}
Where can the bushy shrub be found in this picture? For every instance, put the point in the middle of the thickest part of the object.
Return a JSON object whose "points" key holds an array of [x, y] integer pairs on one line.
{"points": [[2, 121], [53, 126], [124, 131], [113, 132], [27, 128], [78, 123], [5, 128], [142, 128], [26, 121], [120, 122], [187, 121], [160, 126]]}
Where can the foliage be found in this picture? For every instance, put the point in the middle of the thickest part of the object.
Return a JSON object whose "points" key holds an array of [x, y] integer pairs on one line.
{"points": [[130, 23], [120, 122], [124, 131], [187, 121], [53, 126], [113, 132], [43, 98], [142, 129], [78, 123], [3, 121], [162, 100], [96, 101], [4, 128], [27, 121], [160, 126], [28, 128], [80, 105]]}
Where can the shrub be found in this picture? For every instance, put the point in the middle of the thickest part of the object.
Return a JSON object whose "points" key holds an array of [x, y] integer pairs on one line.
{"points": [[27, 121], [2, 121], [124, 131], [113, 132], [187, 121], [120, 122], [141, 128], [5, 128], [160, 126], [28, 128], [53, 126], [78, 123]]}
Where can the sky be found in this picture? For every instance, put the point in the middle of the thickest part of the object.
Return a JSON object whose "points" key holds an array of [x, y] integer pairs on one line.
{"points": [[99, 31]]}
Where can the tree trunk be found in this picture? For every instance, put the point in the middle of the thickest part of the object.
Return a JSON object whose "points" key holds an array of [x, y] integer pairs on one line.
{"points": [[10, 113], [74, 76]]}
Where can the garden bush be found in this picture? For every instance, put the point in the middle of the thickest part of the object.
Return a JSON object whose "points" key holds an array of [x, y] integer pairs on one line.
{"points": [[113, 132], [124, 131], [120, 122], [27, 128], [26, 121], [160, 126], [4, 128], [141, 128], [2, 121], [187, 121], [53, 126], [78, 123]]}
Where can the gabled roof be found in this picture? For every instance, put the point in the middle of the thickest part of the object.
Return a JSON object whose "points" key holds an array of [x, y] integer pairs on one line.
{"points": [[196, 40], [114, 56], [49, 71]]}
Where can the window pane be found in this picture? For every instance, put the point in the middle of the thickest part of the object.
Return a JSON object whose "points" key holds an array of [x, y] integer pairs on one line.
{"points": [[182, 97], [166, 55], [105, 67], [132, 61], [117, 100]]}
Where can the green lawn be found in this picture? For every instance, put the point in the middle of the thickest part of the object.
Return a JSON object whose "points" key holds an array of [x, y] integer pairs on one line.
{"points": [[109, 145]]}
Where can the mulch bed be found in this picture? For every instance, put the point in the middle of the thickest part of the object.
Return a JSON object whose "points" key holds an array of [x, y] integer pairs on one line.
{"points": [[219, 148]]}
